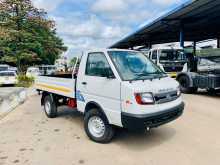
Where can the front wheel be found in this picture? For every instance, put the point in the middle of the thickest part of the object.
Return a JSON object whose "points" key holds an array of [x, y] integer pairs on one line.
{"points": [[97, 127], [185, 85]]}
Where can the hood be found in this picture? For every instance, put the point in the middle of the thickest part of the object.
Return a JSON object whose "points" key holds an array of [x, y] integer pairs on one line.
{"points": [[162, 85]]}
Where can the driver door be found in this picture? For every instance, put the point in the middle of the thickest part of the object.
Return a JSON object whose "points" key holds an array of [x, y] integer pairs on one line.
{"points": [[96, 87]]}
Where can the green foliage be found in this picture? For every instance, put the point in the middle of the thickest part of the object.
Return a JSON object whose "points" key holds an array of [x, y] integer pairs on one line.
{"points": [[27, 36], [24, 81]]}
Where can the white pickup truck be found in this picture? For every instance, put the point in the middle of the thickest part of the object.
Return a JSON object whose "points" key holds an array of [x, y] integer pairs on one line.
{"points": [[114, 88]]}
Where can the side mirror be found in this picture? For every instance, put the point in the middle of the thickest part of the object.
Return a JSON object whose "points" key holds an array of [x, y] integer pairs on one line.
{"points": [[154, 61], [110, 76]]}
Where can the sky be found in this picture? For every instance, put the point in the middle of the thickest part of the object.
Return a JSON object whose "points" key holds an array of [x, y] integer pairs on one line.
{"points": [[90, 24]]}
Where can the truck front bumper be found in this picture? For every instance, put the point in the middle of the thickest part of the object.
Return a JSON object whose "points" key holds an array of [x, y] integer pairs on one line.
{"points": [[140, 122]]}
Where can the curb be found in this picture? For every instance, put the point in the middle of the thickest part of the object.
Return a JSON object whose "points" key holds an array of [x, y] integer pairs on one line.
{"points": [[10, 101]]}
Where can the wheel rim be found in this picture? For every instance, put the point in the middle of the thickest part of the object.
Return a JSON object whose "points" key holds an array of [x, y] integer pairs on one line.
{"points": [[47, 107], [96, 126]]}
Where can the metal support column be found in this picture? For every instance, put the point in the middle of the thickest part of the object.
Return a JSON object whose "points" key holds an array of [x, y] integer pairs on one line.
{"points": [[194, 48], [181, 35]]}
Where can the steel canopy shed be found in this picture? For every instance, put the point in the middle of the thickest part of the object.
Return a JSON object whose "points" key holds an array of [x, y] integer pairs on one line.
{"points": [[193, 21]]}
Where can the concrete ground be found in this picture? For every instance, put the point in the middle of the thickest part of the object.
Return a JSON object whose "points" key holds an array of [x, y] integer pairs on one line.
{"points": [[5, 92], [11, 97], [29, 138]]}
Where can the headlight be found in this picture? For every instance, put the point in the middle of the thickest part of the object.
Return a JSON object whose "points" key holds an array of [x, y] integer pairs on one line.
{"points": [[178, 91], [144, 98]]}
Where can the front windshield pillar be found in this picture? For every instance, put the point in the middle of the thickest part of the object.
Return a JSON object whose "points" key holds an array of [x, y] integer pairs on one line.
{"points": [[218, 42], [194, 48]]}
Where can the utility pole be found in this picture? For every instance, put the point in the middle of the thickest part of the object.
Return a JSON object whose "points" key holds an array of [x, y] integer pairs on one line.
{"points": [[182, 37]]}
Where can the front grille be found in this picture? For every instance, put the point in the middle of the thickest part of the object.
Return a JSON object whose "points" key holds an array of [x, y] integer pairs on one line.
{"points": [[165, 97], [173, 68]]}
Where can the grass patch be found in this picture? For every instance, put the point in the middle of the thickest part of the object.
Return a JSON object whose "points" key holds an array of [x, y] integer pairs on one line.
{"points": [[24, 81]]}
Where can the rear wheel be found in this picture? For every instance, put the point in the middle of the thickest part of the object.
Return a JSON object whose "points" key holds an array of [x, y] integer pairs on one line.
{"points": [[97, 127], [185, 85], [50, 107]]}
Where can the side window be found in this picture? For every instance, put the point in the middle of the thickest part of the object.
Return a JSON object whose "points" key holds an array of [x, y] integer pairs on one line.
{"points": [[97, 65], [154, 55]]}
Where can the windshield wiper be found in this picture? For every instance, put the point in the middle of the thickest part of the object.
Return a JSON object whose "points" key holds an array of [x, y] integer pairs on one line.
{"points": [[139, 76]]}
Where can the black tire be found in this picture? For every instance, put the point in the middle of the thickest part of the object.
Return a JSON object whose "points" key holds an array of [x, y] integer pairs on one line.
{"points": [[212, 91], [184, 82], [109, 131], [50, 111], [194, 90]]}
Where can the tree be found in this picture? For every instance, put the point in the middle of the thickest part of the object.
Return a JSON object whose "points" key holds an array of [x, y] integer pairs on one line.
{"points": [[27, 36]]}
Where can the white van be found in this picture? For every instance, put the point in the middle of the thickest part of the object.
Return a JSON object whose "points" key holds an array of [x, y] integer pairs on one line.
{"points": [[33, 72]]}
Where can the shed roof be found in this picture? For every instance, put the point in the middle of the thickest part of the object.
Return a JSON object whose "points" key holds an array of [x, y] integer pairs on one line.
{"points": [[200, 20]]}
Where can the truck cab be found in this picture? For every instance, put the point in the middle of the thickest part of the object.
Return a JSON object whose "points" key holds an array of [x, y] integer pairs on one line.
{"points": [[203, 71], [115, 87], [171, 60]]}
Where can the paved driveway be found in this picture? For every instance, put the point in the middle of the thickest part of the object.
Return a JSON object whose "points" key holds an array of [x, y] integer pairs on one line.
{"points": [[29, 138]]}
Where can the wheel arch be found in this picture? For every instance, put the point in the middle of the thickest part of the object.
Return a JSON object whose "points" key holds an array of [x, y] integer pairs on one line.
{"points": [[90, 105]]}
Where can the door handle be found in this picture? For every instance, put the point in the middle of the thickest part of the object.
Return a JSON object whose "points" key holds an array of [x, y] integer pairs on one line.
{"points": [[84, 83]]}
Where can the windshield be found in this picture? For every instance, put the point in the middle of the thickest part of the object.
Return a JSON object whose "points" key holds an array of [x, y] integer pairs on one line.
{"points": [[172, 55], [3, 68], [134, 66], [8, 74]]}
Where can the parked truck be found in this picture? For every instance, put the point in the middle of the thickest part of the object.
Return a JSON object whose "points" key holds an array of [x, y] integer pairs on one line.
{"points": [[202, 71], [114, 88], [170, 59]]}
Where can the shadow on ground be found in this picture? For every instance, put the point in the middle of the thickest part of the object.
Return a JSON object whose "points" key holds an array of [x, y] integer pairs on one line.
{"points": [[207, 94], [144, 140], [129, 140]]}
